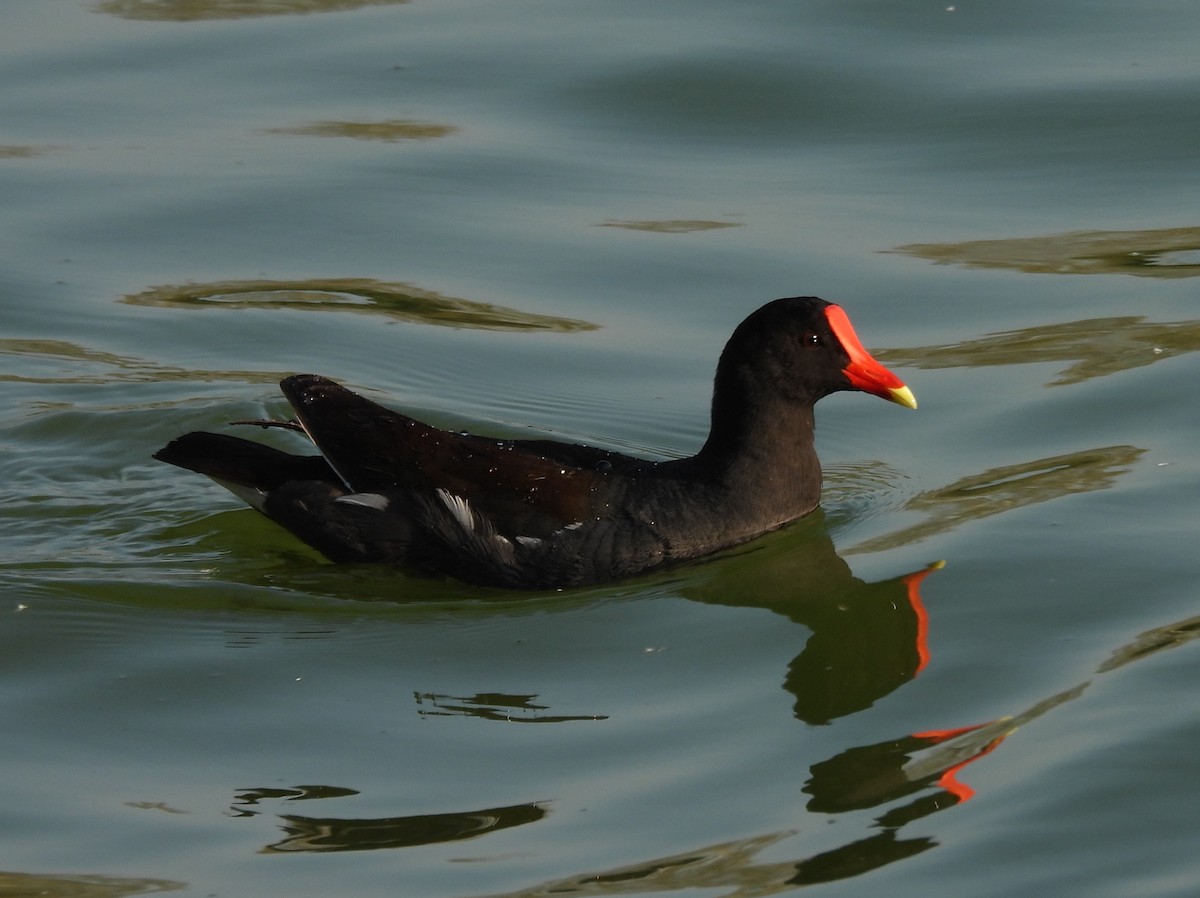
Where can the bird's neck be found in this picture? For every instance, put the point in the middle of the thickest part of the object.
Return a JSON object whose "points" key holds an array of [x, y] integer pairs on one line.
{"points": [[764, 453]]}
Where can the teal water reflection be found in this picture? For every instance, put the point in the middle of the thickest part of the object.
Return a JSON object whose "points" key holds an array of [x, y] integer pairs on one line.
{"points": [[1162, 253], [403, 302], [1096, 347], [1005, 488], [918, 774]]}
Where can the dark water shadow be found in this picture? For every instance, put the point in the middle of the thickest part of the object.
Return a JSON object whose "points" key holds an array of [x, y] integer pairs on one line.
{"points": [[202, 10], [391, 299], [1164, 253], [324, 834], [498, 706], [1095, 347]]}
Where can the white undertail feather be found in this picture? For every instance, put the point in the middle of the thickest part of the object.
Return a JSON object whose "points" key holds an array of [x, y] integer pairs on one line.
{"points": [[367, 500], [470, 521], [459, 507], [473, 523], [252, 496]]}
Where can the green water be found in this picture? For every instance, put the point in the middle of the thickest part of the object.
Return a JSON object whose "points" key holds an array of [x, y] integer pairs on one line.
{"points": [[535, 218]]}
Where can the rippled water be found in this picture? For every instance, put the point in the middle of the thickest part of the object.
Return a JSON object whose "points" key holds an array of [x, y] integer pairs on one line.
{"points": [[973, 673]]}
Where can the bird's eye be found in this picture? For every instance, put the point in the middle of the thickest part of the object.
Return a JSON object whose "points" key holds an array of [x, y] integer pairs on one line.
{"points": [[811, 339]]}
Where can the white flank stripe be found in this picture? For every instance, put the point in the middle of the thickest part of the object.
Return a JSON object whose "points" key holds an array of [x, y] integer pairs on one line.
{"points": [[367, 500], [459, 507]]}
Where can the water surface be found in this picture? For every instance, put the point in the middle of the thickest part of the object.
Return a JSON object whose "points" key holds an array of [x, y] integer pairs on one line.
{"points": [[534, 218]]}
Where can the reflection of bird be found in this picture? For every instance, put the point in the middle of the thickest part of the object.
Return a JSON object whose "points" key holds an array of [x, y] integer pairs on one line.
{"points": [[867, 776], [866, 639], [540, 513]]}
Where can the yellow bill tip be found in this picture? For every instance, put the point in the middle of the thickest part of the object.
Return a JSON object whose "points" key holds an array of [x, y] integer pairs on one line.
{"points": [[902, 396]]}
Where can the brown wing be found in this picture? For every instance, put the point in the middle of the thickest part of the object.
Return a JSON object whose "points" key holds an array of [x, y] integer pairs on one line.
{"points": [[523, 491]]}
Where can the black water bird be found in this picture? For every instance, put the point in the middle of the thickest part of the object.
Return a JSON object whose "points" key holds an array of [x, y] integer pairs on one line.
{"points": [[540, 513]]}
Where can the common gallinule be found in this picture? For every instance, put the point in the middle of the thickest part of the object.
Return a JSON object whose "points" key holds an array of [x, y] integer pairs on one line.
{"points": [[541, 513]]}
